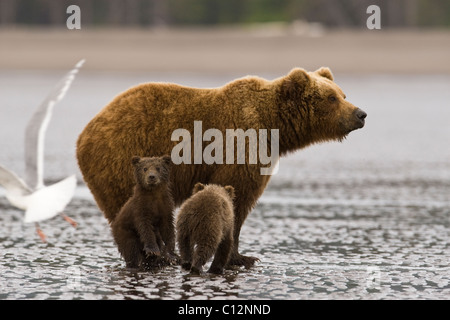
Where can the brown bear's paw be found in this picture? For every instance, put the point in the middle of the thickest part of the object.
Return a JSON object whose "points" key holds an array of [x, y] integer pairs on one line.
{"points": [[152, 250], [153, 264], [197, 271], [132, 266], [172, 259], [215, 270], [240, 260], [186, 265]]}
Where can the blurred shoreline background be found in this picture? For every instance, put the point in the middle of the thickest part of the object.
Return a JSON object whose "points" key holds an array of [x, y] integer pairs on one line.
{"points": [[216, 36], [227, 50]]}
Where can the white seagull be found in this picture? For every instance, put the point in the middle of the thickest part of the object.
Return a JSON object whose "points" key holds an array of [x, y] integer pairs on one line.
{"points": [[40, 202]]}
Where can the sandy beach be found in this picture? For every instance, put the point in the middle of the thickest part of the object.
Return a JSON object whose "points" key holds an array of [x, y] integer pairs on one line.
{"points": [[251, 50]]}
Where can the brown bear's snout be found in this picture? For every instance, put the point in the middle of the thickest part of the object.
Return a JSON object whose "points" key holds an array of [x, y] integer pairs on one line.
{"points": [[361, 116]]}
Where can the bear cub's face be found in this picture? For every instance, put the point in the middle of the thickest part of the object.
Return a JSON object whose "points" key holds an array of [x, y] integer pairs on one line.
{"points": [[151, 171]]}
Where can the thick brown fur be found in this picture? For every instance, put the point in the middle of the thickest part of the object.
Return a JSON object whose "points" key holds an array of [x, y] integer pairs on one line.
{"points": [[205, 228], [306, 107], [144, 228]]}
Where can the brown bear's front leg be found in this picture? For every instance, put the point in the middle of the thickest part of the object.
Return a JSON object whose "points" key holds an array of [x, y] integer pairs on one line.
{"points": [[237, 259], [246, 195], [241, 210]]}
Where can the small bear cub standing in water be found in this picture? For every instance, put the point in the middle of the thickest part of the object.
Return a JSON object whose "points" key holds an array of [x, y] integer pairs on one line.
{"points": [[205, 222], [144, 228]]}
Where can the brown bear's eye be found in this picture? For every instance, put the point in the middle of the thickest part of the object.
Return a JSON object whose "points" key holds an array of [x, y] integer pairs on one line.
{"points": [[145, 169], [157, 169], [332, 98]]}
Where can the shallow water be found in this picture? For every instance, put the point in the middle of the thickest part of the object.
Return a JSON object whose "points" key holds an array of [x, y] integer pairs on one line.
{"points": [[368, 218], [318, 248]]}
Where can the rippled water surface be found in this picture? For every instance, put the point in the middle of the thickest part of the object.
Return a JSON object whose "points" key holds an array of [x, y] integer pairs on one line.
{"points": [[368, 218]]}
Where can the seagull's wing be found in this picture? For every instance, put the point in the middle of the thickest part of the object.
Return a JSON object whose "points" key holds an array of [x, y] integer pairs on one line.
{"points": [[12, 183], [35, 131], [48, 201], [16, 188]]}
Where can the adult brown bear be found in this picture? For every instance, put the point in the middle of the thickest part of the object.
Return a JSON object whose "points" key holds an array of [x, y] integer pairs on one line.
{"points": [[305, 107]]}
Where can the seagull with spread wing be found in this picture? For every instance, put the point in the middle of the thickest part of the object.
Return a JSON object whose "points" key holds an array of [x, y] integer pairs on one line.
{"points": [[40, 202]]}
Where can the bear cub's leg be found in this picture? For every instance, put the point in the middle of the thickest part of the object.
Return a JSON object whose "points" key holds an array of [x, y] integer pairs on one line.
{"points": [[202, 253], [222, 254], [151, 238], [131, 249], [168, 240], [186, 248]]}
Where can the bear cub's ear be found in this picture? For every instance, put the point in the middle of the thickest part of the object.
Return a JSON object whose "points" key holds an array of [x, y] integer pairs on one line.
{"points": [[198, 187], [167, 160], [325, 72], [135, 160], [230, 191]]}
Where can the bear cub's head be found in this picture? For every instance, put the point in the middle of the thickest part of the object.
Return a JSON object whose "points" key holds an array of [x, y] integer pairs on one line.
{"points": [[227, 191], [150, 172]]}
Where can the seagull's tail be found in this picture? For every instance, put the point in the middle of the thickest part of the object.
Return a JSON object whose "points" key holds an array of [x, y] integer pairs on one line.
{"points": [[51, 200], [11, 182]]}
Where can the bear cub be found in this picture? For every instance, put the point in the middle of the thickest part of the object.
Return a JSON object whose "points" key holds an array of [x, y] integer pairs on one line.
{"points": [[204, 226], [144, 228]]}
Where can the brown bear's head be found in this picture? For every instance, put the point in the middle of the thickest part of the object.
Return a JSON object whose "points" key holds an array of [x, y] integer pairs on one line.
{"points": [[151, 171], [316, 107]]}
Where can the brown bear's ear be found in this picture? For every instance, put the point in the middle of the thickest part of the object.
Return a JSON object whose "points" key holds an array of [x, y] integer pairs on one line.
{"points": [[135, 160], [167, 160], [325, 72], [230, 191], [198, 187], [295, 83]]}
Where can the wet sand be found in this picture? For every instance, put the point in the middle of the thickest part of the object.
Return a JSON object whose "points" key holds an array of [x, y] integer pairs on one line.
{"points": [[270, 48]]}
